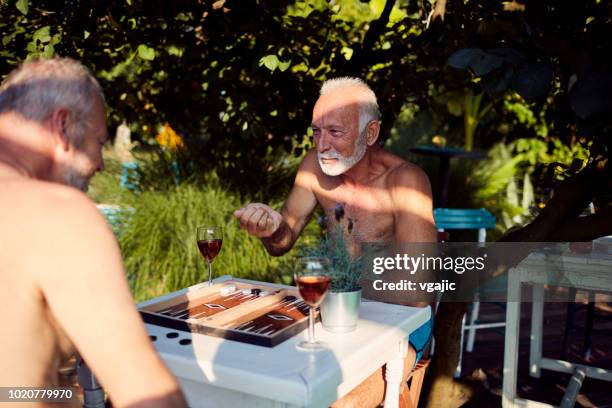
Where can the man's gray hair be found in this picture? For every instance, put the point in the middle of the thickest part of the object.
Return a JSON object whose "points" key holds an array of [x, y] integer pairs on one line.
{"points": [[368, 105], [40, 86]]}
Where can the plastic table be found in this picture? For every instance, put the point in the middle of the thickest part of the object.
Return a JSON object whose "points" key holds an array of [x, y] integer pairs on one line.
{"points": [[592, 271], [214, 372]]}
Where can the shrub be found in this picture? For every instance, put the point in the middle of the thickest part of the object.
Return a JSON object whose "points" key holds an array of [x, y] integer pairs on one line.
{"points": [[158, 242]]}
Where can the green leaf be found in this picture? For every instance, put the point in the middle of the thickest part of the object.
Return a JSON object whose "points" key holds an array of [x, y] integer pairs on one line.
{"points": [[347, 52], [484, 63], [48, 51], [146, 53], [42, 34], [269, 61], [283, 65], [533, 80], [498, 81], [591, 94], [8, 38], [461, 59], [22, 6]]}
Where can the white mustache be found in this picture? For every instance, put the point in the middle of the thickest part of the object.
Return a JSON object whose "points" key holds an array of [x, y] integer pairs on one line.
{"points": [[330, 155]]}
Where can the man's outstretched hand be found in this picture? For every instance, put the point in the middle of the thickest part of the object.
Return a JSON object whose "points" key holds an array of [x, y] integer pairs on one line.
{"points": [[259, 219]]}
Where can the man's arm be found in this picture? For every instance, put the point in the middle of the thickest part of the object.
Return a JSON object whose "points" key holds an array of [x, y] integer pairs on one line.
{"points": [[78, 267], [413, 212], [279, 231], [412, 204]]}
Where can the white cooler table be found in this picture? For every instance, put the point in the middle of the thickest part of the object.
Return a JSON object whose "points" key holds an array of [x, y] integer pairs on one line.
{"points": [[214, 372], [592, 271]]}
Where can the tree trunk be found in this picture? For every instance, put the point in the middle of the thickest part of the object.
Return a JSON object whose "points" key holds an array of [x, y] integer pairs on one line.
{"points": [[443, 392]]}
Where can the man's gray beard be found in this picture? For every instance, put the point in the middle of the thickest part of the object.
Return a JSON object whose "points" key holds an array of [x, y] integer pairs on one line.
{"points": [[72, 178], [344, 164]]}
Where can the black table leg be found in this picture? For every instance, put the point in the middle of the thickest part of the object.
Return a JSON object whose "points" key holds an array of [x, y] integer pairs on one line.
{"points": [[569, 321], [588, 330], [443, 181]]}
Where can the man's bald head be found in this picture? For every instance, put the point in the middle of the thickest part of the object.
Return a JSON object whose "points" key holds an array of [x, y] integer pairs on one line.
{"points": [[37, 88], [53, 109]]}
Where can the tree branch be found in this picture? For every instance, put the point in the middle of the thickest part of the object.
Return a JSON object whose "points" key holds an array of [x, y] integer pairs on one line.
{"points": [[437, 12], [376, 27], [570, 197], [584, 228]]}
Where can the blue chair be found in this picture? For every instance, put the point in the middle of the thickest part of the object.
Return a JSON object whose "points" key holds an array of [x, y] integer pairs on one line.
{"points": [[468, 219], [465, 219], [115, 215], [130, 176]]}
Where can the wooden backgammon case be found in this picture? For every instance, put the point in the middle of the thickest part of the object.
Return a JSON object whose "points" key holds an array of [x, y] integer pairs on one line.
{"points": [[250, 312]]}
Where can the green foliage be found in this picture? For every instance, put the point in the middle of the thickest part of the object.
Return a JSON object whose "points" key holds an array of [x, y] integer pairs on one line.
{"points": [[158, 242], [22, 6], [157, 233], [238, 78], [504, 183], [347, 271]]}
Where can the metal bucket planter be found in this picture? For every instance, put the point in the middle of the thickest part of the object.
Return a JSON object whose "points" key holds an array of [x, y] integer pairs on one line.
{"points": [[340, 311]]}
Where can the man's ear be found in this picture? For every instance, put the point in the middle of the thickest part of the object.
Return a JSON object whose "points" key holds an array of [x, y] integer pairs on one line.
{"points": [[60, 121], [372, 132]]}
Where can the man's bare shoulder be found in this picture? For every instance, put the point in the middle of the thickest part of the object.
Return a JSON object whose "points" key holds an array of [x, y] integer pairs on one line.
{"points": [[50, 200], [405, 174], [37, 212]]}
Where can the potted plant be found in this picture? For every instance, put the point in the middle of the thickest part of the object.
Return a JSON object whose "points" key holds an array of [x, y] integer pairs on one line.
{"points": [[340, 308]]}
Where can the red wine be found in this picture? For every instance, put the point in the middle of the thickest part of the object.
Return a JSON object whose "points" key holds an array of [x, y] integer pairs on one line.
{"points": [[209, 248], [313, 288]]}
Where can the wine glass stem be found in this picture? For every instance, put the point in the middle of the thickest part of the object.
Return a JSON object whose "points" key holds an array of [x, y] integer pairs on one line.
{"points": [[311, 319], [209, 273]]}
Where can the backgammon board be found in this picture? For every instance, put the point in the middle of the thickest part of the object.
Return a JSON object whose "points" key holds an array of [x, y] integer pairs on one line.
{"points": [[261, 314]]}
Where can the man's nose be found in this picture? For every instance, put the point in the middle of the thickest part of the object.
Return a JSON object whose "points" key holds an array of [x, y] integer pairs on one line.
{"points": [[323, 142]]}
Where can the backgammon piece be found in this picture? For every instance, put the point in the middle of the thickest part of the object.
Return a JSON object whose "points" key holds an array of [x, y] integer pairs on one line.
{"points": [[246, 291], [256, 291], [264, 293], [227, 290]]}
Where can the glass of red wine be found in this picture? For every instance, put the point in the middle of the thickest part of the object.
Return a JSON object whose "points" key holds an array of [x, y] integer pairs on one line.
{"points": [[312, 279], [209, 244]]}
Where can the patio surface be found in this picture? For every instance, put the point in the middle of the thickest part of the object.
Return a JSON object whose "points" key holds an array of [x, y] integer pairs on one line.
{"points": [[489, 351]]}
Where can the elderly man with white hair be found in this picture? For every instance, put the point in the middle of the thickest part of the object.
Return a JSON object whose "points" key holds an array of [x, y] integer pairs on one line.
{"points": [[389, 198], [62, 282]]}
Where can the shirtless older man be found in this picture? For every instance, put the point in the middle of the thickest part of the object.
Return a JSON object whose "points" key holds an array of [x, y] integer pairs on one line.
{"points": [[389, 198], [62, 282]]}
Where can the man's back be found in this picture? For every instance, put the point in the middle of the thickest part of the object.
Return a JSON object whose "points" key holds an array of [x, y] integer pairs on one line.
{"points": [[29, 329], [61, 277], [61, 274]]}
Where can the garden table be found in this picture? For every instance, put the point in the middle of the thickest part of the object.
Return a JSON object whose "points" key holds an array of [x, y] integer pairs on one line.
{"points": [[591, 271], [214, 372]]}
